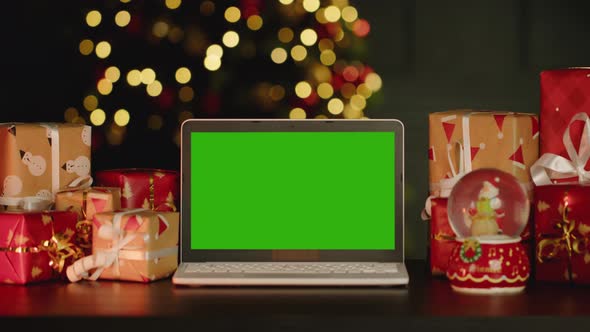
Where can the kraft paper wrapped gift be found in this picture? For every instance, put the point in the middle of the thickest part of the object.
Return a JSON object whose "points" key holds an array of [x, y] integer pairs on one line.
{"points": [[465, 140], [155, 189], [40, 159], [135, 245], [86, 203], [37, 246]]}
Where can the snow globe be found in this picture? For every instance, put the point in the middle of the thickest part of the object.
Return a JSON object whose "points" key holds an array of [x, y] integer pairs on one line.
{"points": [[488, 209]]}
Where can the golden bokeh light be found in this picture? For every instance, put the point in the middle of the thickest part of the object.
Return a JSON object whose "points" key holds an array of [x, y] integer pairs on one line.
{"points": [[349, 14], [321, 73], [358, 102], [373, 81], [212, 62], [115, 134], [328, 57], [103, 49], [134, 77], [70, 114], [332, 14], [122, 18], [207, 8], [325, 44], [175, 34], [325, 90], [182, 75], [297, 113], [364, 90], [339, 35], [286, 2], [112, 74], [351, 112], [303, 89], [90, 102], [285, 35], [147, 76], [122, 117], [298, 53], [308, 37], [311, 5], [155, 122], [125, 1], [277, 92], [232, 14], [278, 55], [97, 117], [231, 39], [160, 29], [254, 22], [185, 115], [320, 16], [186, 94], [154, 89], [215, 50], [335, 106], [321, 116], [86, 47], [104, 86], [348, 90], [93, 18], [173, 4]]}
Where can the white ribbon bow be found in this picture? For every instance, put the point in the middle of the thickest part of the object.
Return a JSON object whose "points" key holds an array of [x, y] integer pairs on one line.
{"points": [[551, 166]]}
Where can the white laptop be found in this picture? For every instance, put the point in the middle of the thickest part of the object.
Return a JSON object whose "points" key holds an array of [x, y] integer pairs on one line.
{"points": [[292, 203]]}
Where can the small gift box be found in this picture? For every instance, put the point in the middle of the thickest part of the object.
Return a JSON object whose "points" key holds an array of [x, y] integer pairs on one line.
{"points": [[40, 159], [134, 245], [86, 203], [154, 189], [562, 233], [37, 246], [564, 93]]}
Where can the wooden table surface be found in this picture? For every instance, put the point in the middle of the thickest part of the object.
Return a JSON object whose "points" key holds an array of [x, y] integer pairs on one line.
{"points": [[426, 299]]}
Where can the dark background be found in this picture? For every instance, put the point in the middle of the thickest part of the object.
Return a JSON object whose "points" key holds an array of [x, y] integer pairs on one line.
{"points": [[432, 56]]}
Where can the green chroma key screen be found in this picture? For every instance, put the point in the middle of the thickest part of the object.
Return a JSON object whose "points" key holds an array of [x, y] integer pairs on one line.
{"points": [[293, 190]]}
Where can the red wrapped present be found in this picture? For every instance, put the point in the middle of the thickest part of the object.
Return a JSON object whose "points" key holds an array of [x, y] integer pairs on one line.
{"points": [[562, 233], [154, 189], [564, 94], [442, 237], [37, 246]]}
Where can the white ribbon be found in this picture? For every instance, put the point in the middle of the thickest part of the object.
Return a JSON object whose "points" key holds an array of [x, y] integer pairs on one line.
{"points": [[110, 257], [551, 166], [27, 203]]}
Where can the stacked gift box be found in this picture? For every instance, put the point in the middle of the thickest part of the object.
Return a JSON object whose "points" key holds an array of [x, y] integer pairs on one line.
{"points": [[53, 222]]}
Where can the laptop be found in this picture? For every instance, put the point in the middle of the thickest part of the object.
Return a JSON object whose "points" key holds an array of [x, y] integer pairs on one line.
{"points": [[274, 202]]}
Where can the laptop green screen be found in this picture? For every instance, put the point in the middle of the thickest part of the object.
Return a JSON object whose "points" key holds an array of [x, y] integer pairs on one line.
{"points": [[292, 190]]}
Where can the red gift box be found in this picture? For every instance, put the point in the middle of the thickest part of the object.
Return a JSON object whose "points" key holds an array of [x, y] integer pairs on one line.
{"points": [[564, 93], [37, 246], [562, 233], [154, 189], [442, 237]]}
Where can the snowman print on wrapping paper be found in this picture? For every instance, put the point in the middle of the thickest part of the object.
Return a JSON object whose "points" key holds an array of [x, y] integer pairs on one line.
{"points": [[12, 186], [80, 166], [86, 136], [44, 194], [36, 164]]}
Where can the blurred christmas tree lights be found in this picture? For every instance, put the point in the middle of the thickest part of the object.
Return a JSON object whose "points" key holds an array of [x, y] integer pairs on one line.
{"points": [[162, 62]]}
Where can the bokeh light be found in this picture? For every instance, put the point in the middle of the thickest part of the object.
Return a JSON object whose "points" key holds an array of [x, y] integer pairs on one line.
{"points": [[277, 92], [298, 53], [373, 81], [286, 2], [328, 57], [71, 114], [148, 75], [122, 18], [254, 22], [358, 102], [311, 5], [122, 117], [182, 75], [215, 50], [212, 62], [186, 94], [335, 106], [93, 18], [104, 86], [86, 47], [349, 14], [90, 102], [231, 39], [278, 55], [207, 8], [97, 117], [332, 13], [232, 14], [112, 74], [325, 90], [173, 4], [308, 37], [154, 89], [155, 122], [297, 113], [160, 29], [285, 35], [103, 49], [303, 89], [134, 77]]}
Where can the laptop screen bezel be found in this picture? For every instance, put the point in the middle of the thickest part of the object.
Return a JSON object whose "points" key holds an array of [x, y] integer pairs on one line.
{"points": [[286, 125]]}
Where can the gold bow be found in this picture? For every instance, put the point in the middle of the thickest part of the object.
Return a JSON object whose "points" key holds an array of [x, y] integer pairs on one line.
{"points": [[568, 241]]}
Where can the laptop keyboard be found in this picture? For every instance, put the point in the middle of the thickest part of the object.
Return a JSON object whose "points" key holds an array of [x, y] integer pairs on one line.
{"points": [[285, 268]]}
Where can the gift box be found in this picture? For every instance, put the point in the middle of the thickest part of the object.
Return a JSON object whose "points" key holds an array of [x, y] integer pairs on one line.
{"points": [[564, 93], [39, 159], [442, 237], [134, 245], [37, 246], [463, 140], [86, 203], [562, 233], [154, 189]]}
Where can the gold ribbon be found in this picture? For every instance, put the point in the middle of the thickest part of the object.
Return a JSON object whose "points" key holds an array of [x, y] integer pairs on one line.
{"points": [[59, 248], [568, 241]]}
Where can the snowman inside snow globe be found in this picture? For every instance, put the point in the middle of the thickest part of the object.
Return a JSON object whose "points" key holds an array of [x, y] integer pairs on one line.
{"points": [[488, 210]]}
